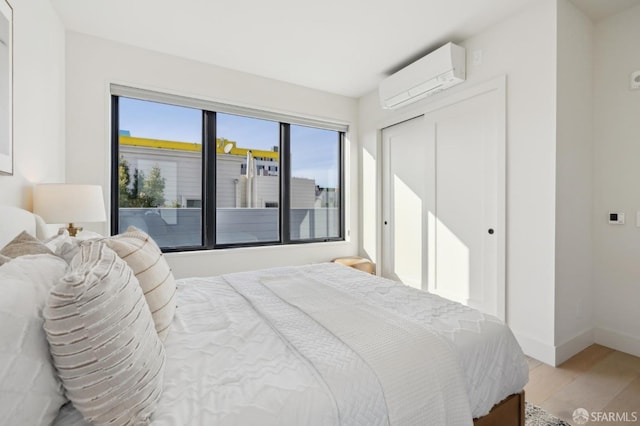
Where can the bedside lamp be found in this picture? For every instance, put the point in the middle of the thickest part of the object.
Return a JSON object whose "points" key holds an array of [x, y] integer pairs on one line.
{"points": [[69, 203]]}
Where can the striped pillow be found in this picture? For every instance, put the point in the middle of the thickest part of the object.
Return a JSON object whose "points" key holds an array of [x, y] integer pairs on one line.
{"points": [[151, 269], [102, 339]]}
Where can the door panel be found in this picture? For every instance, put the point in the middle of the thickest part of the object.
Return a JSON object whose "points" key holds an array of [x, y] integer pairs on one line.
{"points": [[464, 143], [404, 234]]}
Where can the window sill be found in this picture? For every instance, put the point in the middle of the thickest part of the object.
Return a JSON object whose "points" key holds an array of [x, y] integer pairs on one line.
{"points": [[258, 249]]}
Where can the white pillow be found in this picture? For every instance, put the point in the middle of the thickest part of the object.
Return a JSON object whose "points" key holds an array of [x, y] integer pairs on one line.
{"points": [[4, 259], [30, 392], [144, 257], [103, 339]]}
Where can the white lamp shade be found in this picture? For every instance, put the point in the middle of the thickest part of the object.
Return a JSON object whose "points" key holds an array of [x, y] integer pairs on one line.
{"points": [[69, 203]]}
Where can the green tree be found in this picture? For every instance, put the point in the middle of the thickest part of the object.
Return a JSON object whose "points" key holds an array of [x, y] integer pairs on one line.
{"points": [[124, 179], [153, 187], [142, 191], [136, 198]]}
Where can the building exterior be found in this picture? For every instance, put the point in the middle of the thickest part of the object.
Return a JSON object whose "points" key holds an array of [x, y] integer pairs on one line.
{"points": [[247, 191], [181, 167]]}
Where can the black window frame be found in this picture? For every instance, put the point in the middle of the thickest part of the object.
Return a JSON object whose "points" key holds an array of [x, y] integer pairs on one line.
{"points": [[209, 158]]}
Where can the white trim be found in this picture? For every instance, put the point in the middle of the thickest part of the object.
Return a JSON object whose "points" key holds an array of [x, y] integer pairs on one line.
{"points": [[379, 201], [555, 356], [536, 349], [501, 306], [6, 159], [616, 340], [574, 345]]}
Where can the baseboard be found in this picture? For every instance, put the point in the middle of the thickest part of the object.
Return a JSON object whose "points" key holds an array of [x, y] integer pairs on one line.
{"points": [[536, 349], [619, 341], [556, 355], [574, 345]]}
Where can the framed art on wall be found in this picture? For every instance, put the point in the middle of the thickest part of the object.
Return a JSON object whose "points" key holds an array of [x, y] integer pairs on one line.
{"points": [[6, 88]]}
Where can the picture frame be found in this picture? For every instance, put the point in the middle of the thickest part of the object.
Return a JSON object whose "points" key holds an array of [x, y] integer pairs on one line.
{"points": [[6, 88]]}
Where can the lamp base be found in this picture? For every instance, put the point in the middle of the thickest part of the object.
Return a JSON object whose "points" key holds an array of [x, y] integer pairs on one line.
{"points": [[73, 231]]}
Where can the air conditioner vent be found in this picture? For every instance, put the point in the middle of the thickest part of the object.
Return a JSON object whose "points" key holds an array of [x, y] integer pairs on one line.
{"points": [[439, 70]]}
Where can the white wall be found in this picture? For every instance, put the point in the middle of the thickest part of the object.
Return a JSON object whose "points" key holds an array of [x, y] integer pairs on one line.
{"points": [[38, 101], [93, 63], [522, 47], [574, 157], [616, 181]]}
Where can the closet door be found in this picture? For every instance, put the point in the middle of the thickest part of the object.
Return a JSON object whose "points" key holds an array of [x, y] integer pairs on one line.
{"points": [[444, 201], [465, 142], [407, 202]]}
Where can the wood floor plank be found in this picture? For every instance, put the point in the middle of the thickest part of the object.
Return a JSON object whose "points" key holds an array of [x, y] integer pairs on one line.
{"points": [[545, 381], [593, 389], [627, 360], [586, 359], [597, 379], [626, 403], [532, 362]]}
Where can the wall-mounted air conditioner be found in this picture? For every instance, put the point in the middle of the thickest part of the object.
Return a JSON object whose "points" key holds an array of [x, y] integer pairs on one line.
{"points": [[439, 70]]}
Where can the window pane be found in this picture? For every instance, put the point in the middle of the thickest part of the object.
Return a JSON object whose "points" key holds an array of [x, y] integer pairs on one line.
{"points": [[247, 182], [315, 183], [160, 171]]}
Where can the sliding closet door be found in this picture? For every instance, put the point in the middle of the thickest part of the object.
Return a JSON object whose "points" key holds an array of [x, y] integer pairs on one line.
{"points": [[444, 201], [465, 139], [408, 202]]}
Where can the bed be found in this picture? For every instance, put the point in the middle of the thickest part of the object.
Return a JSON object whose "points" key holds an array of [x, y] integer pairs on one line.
{"points": [[326, 344]]}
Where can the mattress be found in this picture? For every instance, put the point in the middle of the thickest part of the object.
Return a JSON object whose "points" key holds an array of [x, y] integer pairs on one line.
{"points": [[237, 354]]}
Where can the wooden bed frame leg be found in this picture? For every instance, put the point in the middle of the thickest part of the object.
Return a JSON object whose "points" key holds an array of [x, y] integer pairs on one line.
{"points": [[509, 412]]}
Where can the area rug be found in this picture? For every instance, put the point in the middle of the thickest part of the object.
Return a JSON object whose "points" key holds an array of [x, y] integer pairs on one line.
{"points": [[536, 416]]}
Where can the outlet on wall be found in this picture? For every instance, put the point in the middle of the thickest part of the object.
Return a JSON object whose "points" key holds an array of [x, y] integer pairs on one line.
{"points": [[477, 57]]}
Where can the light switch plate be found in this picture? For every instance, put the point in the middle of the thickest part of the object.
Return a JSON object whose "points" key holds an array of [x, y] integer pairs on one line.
{"points": [[616, 218]]}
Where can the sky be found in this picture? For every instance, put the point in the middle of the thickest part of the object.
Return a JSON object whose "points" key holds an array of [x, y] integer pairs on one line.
{"points": [[314, 152]]}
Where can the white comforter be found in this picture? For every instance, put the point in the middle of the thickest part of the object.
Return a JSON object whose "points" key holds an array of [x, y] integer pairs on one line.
{"points": [[239, 355]]}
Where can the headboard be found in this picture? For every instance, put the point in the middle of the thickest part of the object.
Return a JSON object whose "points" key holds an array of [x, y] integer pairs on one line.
{"points": [[14, 220]]}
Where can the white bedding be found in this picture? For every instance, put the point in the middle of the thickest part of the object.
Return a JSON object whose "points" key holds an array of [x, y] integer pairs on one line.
{"points": [[232, 361]]}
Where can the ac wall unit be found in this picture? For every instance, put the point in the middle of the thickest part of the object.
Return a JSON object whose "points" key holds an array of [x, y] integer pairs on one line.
{"points": [[439, 70]]}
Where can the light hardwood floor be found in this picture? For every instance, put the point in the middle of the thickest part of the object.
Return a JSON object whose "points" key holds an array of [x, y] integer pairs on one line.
{"points": [[596, 379]]}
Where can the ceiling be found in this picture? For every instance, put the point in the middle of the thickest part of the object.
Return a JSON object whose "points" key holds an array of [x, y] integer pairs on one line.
{"points": [[600, 9], [339, 46]]}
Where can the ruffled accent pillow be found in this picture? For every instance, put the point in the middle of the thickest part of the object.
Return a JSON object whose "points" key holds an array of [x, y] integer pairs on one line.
{"points": [[66, 246], [151, 269], [103, 340], [63, 245]]}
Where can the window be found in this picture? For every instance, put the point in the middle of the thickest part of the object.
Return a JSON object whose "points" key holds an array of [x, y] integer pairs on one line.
{"points": [[159, 161], [193, 203], [241, 216], [201, 175], [315, 183]]}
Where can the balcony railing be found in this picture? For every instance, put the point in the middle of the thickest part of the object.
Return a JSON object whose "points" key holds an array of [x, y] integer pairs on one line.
{"points": [[180, 227]]}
